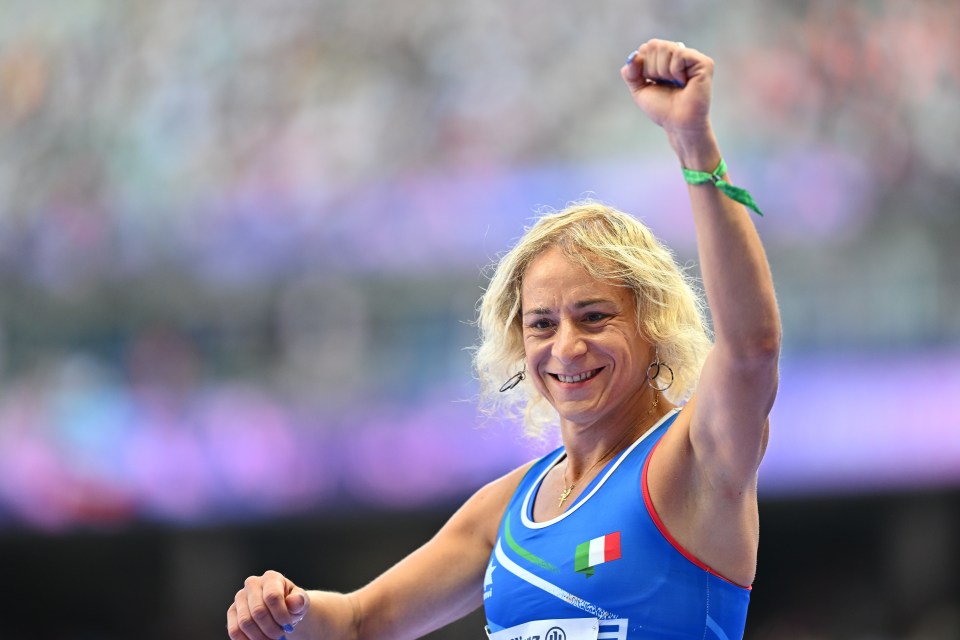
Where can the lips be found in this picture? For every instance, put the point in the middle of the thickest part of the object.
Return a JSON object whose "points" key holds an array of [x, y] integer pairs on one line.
{"points": [[579, 377]]}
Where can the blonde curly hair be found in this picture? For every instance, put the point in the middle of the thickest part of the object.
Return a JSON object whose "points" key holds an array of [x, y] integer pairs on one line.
{"points": [[611, 246]]}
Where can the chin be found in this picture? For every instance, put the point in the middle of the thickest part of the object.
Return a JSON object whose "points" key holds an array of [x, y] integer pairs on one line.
{"points": [[580, 416]]}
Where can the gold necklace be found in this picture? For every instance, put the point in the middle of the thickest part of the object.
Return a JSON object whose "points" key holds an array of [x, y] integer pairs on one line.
{"points": [[568, 489]]}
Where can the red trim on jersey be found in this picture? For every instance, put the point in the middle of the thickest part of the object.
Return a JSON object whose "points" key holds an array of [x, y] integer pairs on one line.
{"points": [[648, 501]]}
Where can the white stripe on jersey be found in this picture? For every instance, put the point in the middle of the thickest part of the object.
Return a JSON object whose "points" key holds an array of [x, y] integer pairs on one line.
{"points": [[552, 589]]}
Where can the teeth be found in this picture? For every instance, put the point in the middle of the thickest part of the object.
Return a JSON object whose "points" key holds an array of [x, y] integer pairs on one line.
{"points": [[577, 378]]}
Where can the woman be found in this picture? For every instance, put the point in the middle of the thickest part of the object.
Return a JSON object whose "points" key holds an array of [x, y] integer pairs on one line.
{"points": [[644, 523]]}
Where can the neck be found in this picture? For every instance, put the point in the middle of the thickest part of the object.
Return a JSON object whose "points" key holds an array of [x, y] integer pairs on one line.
{"points": [[590, 446]]}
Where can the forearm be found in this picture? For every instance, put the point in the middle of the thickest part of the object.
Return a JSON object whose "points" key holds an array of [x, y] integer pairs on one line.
{"points": [[393, 606], [405, 617], [736, 275]]}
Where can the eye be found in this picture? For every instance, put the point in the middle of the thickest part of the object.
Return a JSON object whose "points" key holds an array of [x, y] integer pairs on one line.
{"points": [[595, 316], [540, 324]]}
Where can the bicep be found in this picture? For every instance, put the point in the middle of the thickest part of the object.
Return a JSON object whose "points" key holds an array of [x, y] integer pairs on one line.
{"points": [[442, 580], [436, 584]]}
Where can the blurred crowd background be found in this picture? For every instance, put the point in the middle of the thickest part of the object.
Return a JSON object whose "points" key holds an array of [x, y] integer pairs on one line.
{"points": [[241, 246]]}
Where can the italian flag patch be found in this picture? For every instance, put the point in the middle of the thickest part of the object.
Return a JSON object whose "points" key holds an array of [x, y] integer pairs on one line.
{"points": [[597, 551]]}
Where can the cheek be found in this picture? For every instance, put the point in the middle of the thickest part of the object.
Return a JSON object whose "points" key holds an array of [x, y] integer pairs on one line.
{"points": [[535, 348], [533, 358], [535, 355]]}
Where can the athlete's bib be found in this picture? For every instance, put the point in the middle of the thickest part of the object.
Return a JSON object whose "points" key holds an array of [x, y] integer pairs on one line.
{"points": [[560, 629]]}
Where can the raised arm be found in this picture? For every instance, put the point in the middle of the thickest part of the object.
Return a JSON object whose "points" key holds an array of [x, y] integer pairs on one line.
{"points": [[672, 84], [436, 584]]}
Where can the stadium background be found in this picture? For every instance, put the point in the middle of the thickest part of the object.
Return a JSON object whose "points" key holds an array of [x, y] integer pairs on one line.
{"points": [[241, 245]]}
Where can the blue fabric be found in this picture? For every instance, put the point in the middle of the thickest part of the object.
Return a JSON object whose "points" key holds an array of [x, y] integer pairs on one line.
{"points": [[652, 585]]}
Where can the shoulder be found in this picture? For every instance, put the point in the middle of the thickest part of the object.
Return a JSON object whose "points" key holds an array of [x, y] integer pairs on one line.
{"points": [[480, 515]]}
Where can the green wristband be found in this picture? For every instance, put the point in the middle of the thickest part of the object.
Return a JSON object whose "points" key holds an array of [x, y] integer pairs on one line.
{"points": [[734, 193]]}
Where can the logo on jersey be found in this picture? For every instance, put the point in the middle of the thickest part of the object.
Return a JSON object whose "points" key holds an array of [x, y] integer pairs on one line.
{"points": [[488, 580], [597, 551]]}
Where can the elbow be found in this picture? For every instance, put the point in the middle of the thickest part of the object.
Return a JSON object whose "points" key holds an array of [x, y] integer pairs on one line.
{"points": [[759, 360], [761, 344], [765, 345]]}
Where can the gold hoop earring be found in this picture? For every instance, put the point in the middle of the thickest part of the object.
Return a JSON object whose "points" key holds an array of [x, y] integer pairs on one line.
{"points": [[658, 366], [515, 379]]}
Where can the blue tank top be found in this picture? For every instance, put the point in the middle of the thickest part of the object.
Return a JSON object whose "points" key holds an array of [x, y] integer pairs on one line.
{"points": [[606, 567]]}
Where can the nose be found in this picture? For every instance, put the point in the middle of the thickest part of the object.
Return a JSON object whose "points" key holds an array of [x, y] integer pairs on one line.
{"points": [[568, 343]]}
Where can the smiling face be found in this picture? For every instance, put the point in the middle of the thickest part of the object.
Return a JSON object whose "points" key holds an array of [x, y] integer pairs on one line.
{"points": [[583, 350]]}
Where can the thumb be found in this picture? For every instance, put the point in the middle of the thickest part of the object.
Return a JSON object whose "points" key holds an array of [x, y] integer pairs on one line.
{"points": [[632, 71], [297, 602]]}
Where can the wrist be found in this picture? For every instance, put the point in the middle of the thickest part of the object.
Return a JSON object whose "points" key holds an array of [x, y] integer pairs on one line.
{"points": [[329, 615], [696, 150], [717, 178]]}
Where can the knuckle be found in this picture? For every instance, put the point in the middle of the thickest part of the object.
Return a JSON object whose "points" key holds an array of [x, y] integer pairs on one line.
{"points": [[251, 581], [246, 623], [261, 614], [273, 599]]}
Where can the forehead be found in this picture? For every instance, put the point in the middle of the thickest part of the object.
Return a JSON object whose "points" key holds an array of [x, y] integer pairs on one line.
{"points": [[553, 279]]}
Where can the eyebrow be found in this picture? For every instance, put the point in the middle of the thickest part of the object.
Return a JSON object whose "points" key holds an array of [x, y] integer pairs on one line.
{"points": [[580, 304]]}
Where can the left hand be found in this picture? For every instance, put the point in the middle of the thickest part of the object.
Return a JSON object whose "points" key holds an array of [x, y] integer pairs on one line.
{"points": [[673, 85]]}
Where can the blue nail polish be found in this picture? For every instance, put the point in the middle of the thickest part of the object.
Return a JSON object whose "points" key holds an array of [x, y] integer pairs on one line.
{"points": [[631, 57], [283, 637], [288, 628]]}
